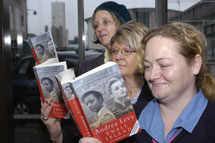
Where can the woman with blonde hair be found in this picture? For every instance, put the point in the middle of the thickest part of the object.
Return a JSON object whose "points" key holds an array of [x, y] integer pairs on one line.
{"points": [[175, 69], [125, 46]]}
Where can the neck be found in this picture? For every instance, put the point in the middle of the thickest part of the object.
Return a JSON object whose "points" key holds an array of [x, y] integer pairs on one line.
{"points": [[133, 85], [171, 110]]}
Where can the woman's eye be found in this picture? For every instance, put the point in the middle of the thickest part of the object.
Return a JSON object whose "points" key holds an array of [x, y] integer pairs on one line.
{"points": [[164, 66], [106, 22], [146, 66], [127, 51], [95, 26], [114, 51]]}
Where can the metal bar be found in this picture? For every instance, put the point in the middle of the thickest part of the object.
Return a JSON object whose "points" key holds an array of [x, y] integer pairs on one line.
{"points": [[6, 120], [160, 12], [81, 41]]}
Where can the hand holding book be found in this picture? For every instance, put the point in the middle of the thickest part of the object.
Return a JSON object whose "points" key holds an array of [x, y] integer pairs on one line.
{"points": [[53, 124], [89, 140]]}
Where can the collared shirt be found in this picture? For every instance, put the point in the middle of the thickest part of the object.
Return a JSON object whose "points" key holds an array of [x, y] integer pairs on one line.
{"points": [[151, 121], [134, 100]]}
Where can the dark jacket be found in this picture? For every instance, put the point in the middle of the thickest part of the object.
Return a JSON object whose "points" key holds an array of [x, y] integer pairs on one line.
{"points": [[145, 94], [91, 64], [204, 132]]}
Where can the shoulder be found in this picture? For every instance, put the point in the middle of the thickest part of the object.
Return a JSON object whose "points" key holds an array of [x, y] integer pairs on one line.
{"points": [[91, 64], [138, 107], [206, 124], [145, 94]]}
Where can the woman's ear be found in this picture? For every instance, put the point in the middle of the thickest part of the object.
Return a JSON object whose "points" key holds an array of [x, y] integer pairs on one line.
{"points": [[197, 64]]}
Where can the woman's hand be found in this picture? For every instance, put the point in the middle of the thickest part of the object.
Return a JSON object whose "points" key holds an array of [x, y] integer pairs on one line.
{"points": [[89, 140], [53, 125]]}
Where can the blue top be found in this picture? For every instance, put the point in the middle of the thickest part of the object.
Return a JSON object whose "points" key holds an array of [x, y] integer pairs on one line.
{"points": [[134, 100], [151, 121]]}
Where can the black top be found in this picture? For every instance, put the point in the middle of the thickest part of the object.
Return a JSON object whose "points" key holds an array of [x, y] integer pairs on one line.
{"points": [[91, 64]]}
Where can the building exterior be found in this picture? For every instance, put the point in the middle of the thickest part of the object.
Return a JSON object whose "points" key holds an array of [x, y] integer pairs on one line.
{"points": [[202, 15], [59, 31]]}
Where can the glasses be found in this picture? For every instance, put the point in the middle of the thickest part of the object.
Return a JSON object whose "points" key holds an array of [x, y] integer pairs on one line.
{"points": [[125, 52]]}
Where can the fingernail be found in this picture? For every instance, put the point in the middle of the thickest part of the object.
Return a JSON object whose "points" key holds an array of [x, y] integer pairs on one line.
{"points": [[46, 102], [50, 104]]}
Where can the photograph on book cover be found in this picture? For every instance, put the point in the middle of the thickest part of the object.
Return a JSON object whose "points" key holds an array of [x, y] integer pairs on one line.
{"points": [[67, 88], [50, 88], [103, 96], [44, 47], [105, 103]]}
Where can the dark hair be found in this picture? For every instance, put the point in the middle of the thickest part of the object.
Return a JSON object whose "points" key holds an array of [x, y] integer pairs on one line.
{"points": [[96, 94], [47, 78], [40, 46]]}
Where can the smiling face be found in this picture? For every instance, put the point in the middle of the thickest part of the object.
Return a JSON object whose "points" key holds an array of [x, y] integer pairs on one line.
{"points": [[166, 71], [127, 64], [105, 27]]}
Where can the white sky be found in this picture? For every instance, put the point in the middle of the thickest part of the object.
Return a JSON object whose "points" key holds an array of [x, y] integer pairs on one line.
{"points": [[36, 23]]}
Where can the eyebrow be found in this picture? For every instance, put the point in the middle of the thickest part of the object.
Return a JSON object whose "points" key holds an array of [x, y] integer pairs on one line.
{"points": [[145, 60]]}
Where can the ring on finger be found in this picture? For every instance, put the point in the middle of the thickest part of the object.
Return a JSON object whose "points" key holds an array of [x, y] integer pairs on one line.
{"points": [[45, 118]]}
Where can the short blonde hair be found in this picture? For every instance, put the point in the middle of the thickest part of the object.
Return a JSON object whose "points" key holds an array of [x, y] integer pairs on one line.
{"points": [[132, 33]]}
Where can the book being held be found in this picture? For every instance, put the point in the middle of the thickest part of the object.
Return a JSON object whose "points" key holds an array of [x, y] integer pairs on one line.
{"points": [[43, 48], [105, 103], [48, 87], [72, 103]]}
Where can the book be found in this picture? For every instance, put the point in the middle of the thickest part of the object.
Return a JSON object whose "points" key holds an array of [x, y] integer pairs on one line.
{"points": [[48, 87], [43, 48], [104, 100], [72, 103]]}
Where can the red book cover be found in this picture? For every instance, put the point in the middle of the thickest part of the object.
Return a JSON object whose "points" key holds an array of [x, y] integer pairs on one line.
{"points": [[105, 103], [43, 48], [71, 101], [49, 89]]}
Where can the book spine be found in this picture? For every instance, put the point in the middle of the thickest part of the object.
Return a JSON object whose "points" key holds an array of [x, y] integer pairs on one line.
{"points": [[40, 89], [35, 56], [79, 116]]}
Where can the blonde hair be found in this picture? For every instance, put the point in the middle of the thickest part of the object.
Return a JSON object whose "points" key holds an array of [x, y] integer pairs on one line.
{"points": [[132, 34], [192, 42], [116, 19]]}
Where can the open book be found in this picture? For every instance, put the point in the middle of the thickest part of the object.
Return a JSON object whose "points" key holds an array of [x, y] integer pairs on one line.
{"points": [[48, 87], [72, 103], [43, 48], [105, 104]]}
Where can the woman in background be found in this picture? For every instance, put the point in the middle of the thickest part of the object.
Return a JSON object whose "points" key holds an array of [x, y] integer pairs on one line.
{"points": [[106, 19], [124, 46]]}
